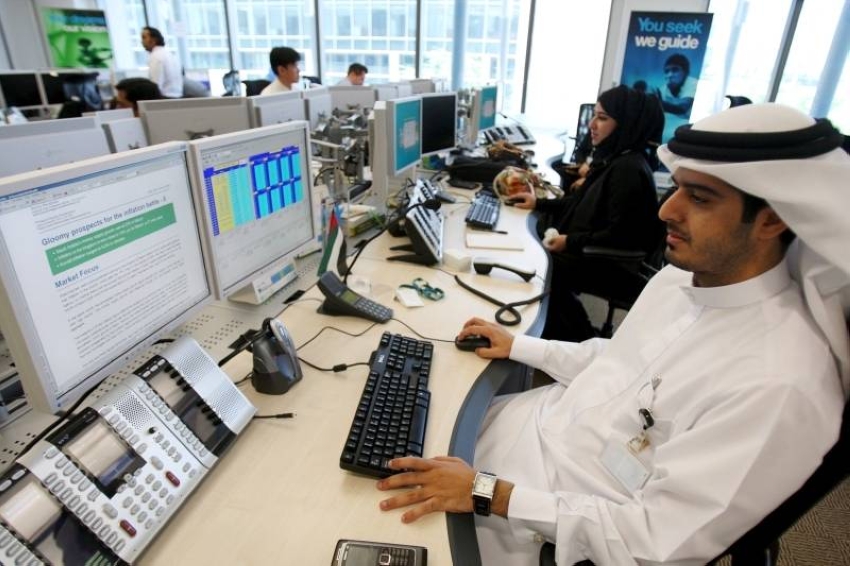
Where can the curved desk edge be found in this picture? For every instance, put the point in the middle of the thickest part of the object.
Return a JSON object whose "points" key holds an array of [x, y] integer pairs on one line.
{"points": [[463, 541]]}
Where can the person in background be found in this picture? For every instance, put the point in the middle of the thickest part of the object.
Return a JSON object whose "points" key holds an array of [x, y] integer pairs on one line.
{"points": [[677, 94], [717, 397], [129, 92], [284, 62], [356, 75], [164, 68], [193, 88], [615, 206]]}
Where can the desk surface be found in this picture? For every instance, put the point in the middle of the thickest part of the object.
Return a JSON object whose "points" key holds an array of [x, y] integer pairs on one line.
{"points": [[279, 495]]}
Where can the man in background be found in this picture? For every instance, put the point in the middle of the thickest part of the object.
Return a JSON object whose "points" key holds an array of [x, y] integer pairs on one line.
{"points": [[284, 62], [164, 68], [356, 75]]}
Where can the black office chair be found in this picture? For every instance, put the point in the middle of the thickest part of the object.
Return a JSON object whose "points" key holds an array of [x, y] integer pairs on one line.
{"points": [[254, 87], [738, 100], [760, 545]]}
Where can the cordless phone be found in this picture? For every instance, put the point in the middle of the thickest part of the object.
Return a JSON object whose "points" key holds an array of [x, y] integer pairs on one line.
{"points": [[341, 301]]}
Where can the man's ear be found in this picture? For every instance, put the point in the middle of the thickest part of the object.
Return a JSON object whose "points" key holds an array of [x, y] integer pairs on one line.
{"points": [[768, 224]]}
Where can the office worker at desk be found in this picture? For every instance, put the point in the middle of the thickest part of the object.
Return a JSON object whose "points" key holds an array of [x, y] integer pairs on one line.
{"points": [[716, 398], [615, 207], [284, 62]]}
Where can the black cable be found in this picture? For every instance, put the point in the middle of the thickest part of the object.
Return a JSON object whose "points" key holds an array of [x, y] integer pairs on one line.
{"points": [[509, 308], [452, 341], [277, 416], [367, 329], [163, 341], [336, 369]]}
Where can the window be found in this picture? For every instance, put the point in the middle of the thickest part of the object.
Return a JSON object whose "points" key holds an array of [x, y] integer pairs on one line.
{"points": [[126, 19]]}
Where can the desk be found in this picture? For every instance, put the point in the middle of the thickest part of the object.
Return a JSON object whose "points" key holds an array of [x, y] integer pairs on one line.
{"points": [[279, 496]]}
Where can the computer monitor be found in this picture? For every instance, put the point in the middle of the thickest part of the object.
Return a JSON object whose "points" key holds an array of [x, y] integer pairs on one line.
{"points": [[439, 122], [193, 118], [422, 86], [318, 105], [483, 112], [97, 261], [386, 91], [20, 89], [255, 203], [54, 88], [124, 135], [405, 133], [349, 98], [103, 116], [276, 108], [404, 89], [45, 143]]}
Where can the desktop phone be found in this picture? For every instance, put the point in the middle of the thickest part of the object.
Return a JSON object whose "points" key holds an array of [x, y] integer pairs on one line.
{"points": [[340, 300], [363, 553]]}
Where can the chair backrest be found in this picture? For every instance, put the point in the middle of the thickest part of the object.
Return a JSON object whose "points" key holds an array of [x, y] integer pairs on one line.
{"points": [[255, 86], [737, 100]]}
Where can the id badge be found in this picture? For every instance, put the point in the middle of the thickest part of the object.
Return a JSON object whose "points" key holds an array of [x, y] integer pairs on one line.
{"points": [[624, 465]]}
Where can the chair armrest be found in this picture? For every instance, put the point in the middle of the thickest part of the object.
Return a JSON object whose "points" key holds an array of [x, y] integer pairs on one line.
{"points": [[615, 254]]}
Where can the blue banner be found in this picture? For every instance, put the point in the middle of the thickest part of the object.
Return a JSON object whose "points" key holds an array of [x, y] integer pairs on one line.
{"points": [[664, 56]]}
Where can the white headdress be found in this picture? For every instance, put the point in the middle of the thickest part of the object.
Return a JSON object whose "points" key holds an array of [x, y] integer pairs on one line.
{"points": [[793, 162]]}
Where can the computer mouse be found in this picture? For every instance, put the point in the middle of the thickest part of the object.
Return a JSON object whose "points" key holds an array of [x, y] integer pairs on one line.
{"points": [[472, 343], [276, 366]]}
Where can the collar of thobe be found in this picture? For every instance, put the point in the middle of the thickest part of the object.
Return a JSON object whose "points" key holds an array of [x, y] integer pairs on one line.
{"points": [[753, 290]]}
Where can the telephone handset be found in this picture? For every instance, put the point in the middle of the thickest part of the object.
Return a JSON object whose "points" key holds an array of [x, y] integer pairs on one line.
{"points": [[342, 301]]}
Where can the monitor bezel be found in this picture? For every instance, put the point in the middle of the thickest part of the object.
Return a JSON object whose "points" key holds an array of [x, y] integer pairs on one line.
{"points": [[196, 147], [341, 93], [183, 106], [391, 106], [432, 95], [16, 323], [259, 104]]}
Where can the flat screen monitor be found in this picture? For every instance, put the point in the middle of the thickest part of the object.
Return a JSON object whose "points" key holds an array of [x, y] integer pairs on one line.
{"points": [[351, 98], [254, 193], [278, 108], [439, 122], [318, 105], [405, 133], [405, 89], [20, 89], [103, 116], [124, 135], [386, 92], [97, 261], [487, 107], [422, 86], [36, 145], [193, 118]]}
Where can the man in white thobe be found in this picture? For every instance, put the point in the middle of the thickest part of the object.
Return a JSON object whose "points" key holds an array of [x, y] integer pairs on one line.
{"points": [[717, 397]]}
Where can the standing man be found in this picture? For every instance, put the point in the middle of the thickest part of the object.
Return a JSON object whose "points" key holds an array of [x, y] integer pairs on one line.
{"points": [[717, 397], [284, 63], [356, 75], [164, 67]]}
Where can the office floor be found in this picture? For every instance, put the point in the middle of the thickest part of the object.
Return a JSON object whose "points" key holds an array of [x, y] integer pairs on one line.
{"points": [[819, 538]]}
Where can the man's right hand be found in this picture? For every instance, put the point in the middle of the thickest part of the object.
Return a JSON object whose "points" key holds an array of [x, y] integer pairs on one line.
{"points": [[501, 340]]}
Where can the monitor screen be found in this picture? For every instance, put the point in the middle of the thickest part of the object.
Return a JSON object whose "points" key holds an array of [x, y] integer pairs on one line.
{"points": [[352, 98], [439, 122], [36, 145], [97, 261], [318, 105], [270, 109], [255, 191], [487, 107], [20, 89], [193, 118], [405, 132], [54, 88]]}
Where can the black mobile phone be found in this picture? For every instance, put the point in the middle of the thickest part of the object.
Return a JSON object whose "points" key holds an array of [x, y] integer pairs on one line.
{"points": [[365, 553]]}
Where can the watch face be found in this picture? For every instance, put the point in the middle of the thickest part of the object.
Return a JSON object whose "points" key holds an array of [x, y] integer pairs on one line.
{"points": [[484, 484]]}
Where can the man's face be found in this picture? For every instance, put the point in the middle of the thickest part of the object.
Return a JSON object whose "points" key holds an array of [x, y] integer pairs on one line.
{"points": [[357, 78], [289, 74], [147, 41], [705, 234], [674, 75]]}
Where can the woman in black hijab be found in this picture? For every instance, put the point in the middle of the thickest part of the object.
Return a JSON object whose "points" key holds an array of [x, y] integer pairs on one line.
{"points": [[616, 207]]}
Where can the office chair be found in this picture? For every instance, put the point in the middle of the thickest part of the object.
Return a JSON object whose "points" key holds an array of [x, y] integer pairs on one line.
{"points": [[255, 86], [737, 100], [760, 545]]}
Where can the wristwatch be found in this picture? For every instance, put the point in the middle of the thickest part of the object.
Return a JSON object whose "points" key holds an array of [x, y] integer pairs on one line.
{"points": [[482, 492]]}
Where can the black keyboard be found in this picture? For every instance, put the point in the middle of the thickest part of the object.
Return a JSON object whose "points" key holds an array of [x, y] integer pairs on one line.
{"points": [[393, 410], [484, 211]]}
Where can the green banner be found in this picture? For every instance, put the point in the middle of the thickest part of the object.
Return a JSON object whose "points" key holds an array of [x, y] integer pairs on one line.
{"points": [[77, 38], [90, 246]]}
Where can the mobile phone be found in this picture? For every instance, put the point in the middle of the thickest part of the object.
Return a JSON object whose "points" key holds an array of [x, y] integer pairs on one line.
{"points": [[365, 553]]}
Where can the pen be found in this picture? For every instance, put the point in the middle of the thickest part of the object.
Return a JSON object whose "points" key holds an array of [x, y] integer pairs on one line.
{"points": [[499, 231]]}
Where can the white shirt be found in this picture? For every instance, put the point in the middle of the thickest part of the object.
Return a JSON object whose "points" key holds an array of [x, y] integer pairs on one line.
{"points": [[345, 81], [274, 87], [165, 71], [746, 403]]}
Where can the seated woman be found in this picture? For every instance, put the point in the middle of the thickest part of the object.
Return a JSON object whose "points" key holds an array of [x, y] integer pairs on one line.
{"points": [[129, 92], [616, 206]]}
